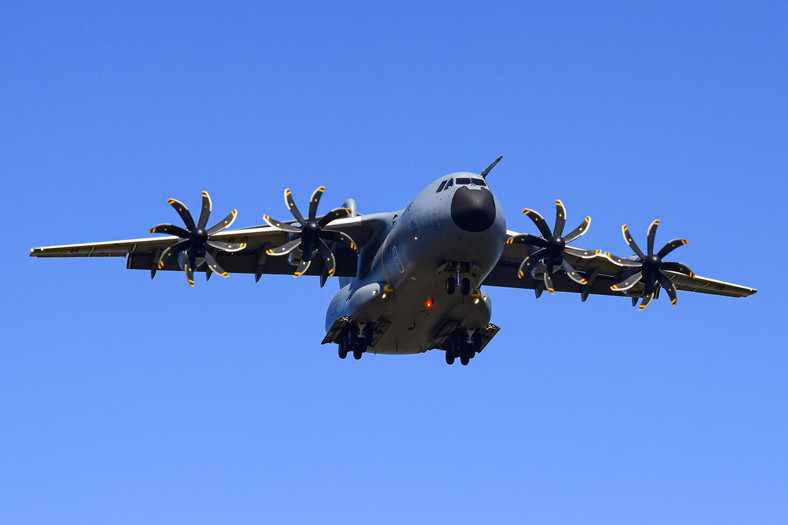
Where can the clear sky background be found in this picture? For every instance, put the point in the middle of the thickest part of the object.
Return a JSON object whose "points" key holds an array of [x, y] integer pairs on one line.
{"points": [[126, 400]]}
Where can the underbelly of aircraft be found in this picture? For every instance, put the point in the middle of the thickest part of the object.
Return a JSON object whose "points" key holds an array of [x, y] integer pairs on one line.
{"points": [[411, 320]]}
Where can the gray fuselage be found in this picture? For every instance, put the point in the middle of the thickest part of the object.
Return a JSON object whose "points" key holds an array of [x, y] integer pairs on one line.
{"points": [[455, 229]]}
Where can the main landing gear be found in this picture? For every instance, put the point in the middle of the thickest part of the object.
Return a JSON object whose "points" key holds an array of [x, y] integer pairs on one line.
{"points": [[464, 344], [358, 337]]}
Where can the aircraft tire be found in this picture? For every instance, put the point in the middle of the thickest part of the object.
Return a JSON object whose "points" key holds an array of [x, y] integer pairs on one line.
{"points": [[465, 286], [342, 351], [451, 285], [357, 353], [465, 359], [449, 357]]}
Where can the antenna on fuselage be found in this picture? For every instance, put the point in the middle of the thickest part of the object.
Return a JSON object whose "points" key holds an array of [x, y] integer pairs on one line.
{"points": [[490, 167]]}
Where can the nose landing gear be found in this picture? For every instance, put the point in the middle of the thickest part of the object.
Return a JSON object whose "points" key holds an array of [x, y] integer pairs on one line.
{"points": [[452, 281]]}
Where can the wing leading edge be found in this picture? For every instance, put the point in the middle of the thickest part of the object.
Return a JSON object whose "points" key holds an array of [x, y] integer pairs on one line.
{"points": [[144, 253]]}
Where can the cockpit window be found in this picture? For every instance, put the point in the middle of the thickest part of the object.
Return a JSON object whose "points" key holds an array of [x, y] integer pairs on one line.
{"points": [[448, 183]]}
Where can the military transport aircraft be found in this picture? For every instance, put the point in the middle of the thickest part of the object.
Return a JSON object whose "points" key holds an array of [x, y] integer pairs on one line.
{"points": [[411, 280]]}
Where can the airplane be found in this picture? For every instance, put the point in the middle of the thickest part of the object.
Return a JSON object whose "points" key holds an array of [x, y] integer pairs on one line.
{"points": [[411, 280]]}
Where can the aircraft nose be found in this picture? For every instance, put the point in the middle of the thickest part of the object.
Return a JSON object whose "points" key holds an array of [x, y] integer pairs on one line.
{"points": [[473, 210]]}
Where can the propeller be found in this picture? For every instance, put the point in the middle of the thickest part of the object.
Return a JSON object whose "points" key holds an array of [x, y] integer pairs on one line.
{"points": [[310, 234], [195, 239], [650, 267], [552, 245]]}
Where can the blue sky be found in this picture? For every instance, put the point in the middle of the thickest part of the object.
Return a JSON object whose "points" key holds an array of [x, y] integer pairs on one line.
{"points": [[127, 400]]}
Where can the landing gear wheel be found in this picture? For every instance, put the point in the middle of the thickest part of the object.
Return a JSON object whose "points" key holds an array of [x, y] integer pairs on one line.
{"points": [[357, 353], [465, 286], [342, 351], [465, 359], [449, 356], [451, 285]]}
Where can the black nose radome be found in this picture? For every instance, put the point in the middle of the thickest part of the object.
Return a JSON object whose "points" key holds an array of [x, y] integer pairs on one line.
{"points": [[473, 210]]}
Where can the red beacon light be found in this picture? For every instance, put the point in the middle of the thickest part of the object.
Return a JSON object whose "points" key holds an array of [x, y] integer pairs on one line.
{"points": [[428, 304]]}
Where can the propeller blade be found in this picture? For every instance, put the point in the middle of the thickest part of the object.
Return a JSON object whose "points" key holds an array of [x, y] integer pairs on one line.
{"points": [[576, 277], [668, 286], [560, 218], [183, 211], [314, 200], [585, 254], [652, 233], [205, 212], [226, 246], [302, 267], [631, 242], [649, 284], [627, 283], [223, 225], [669, 247], [293, 208], [175, 249], [214, 266], [677, 267], [170, 229], [645, 302], [285, 248], [527, 238], [273, 223], [333, 235], [328, 257], [334, 214], [548, 279], [629, 263], [540, 223], [189, 270], [578, 232], [529, 261]]}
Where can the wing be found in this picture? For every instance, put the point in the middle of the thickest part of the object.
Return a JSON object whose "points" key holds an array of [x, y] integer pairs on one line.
{"points": [[600, 270], [143, 254]]}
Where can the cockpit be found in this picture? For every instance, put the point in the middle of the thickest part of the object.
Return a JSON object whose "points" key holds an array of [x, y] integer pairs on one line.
{"points": [[460, 181]]}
